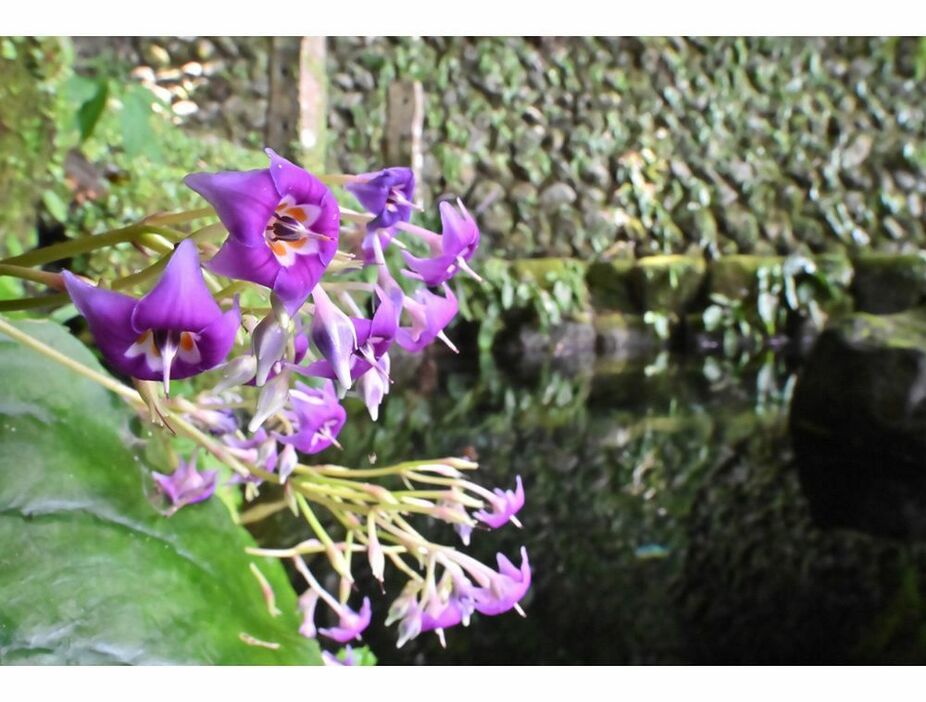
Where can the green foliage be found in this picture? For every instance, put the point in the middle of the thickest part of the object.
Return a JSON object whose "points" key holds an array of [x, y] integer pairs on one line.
{"points": [[90, 570], [548, 291], [767, 297]]}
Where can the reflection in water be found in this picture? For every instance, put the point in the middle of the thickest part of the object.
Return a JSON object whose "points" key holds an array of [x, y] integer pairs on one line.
{"points": [[664, 520]]}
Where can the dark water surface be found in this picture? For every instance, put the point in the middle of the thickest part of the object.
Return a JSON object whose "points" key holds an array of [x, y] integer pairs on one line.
{"points": [[665, 519]]}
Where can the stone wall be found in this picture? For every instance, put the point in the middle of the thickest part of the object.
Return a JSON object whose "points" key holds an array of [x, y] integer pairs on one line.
{"points": [[612, 147]]}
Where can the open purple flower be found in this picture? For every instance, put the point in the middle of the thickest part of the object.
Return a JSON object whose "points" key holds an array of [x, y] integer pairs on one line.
{"points": [[506, 588], [318, 417], [350, 623], [505, 504], [186, 486], [175, 331], [450, 251], [430, 314], [283, 224]]}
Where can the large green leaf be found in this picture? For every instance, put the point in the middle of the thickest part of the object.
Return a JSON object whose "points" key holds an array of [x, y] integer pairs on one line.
{"points": [[90, 571]]}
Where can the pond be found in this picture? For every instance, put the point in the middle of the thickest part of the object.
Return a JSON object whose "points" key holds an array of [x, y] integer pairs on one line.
{"points": [[665, 519]]}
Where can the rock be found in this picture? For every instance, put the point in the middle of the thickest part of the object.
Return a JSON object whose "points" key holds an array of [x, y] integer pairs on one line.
{"points": [[184, 108], [556, 195], [624, 335], [668, 283], [886, 283], [568, 339], [858, 420], [156, 55], [735, 276], [610, 287]]}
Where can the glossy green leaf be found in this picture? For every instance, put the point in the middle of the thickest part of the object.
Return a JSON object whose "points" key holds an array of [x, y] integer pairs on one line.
{"points": [[90, 570]]}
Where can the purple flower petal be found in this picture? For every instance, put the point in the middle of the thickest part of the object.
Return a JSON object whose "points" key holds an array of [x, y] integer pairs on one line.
{"points": [[180, 301], [244, 201], [432, 271], [109, 316], [507, 587], [319, 418], [187, 486], [244, 262], [350, 624], [430, 314], [217, 339], [386, 194], [505, 505], [335, 336]]}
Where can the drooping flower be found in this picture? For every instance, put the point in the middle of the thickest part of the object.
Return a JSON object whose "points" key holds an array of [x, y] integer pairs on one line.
{"points": [[283, 224], [430, 314], [186, 485], [387, 194], [506, 587], [335, 336], [347, 360], [318, 417], [373, 386], [505, 505], [450, 251], [350, 623], [175, 331]]}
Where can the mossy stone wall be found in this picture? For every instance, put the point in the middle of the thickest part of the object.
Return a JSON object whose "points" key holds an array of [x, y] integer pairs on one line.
{"points": [[593, 147]]}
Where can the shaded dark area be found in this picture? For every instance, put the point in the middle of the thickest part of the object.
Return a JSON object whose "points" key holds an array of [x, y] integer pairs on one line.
{"points": [[666, 521]]}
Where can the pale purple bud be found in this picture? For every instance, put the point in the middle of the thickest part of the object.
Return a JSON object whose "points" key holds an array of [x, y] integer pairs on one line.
{"points": [[271, 400], [334, 335], [375, 550], [236, 372], [287, 461], [269, 344], [374, 385]]}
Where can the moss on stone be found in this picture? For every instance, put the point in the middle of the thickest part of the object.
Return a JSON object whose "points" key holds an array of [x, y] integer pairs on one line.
{"points": [[735, 276], [886, 283], [30, 70], [668, 283], [609, 285]]}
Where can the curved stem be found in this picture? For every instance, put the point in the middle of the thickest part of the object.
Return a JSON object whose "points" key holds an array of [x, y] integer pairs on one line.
{"points": [[52, 280]]}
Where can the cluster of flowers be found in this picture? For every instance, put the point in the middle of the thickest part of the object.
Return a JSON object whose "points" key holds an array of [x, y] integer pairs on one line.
{"points": [[303, 353]]}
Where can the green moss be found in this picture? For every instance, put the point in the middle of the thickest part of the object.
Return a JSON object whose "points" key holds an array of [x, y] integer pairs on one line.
{"points": [[31, 70], [887, 283], [735, 276], [609, 285], [668, 283]]}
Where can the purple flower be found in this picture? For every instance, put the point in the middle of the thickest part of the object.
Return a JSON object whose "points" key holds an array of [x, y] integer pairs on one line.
{"points": [[186, 486], [506, 588], [386, 194], [505, 504], [260, 449], [374, 385], [283, 224], [450, 251], [318, 416], [350, 623], [349, 352], [429, 313], [175, 331]]}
